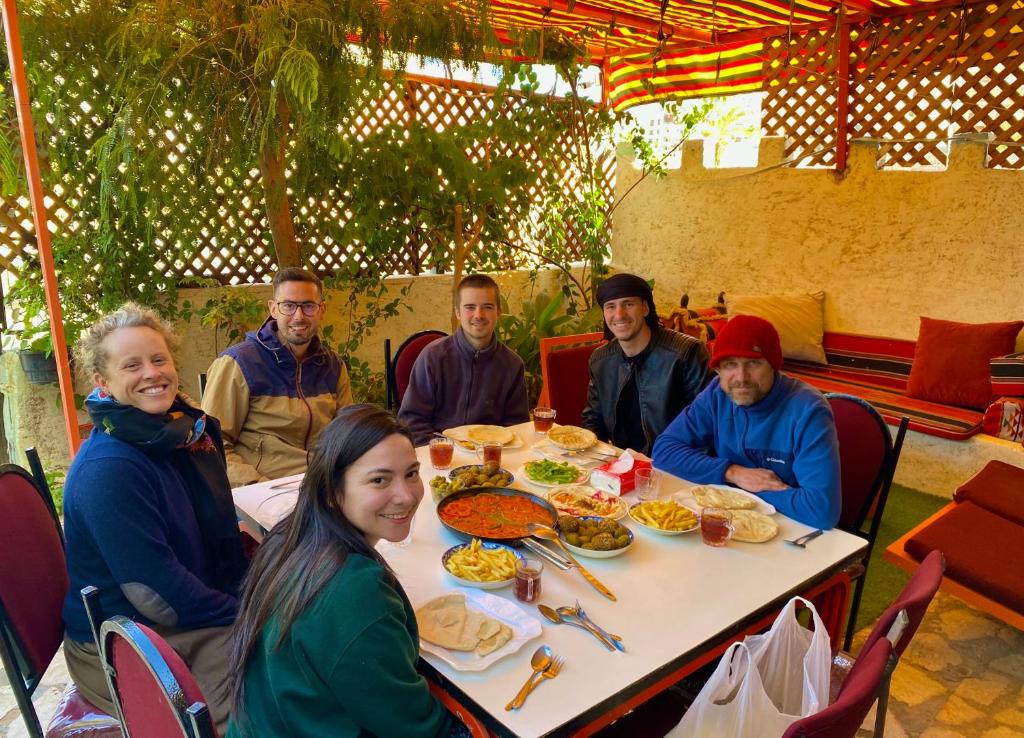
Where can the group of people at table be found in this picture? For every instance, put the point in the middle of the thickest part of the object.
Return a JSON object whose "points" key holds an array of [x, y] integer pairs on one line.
{"points": [[315, 636]]}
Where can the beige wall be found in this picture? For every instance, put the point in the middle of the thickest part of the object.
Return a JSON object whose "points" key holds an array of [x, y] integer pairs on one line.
{"points": [[886, 246]]}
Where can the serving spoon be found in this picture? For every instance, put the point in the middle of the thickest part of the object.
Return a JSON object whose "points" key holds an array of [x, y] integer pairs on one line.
{"points": [[540, 660], [556, 617], [550, 534]]}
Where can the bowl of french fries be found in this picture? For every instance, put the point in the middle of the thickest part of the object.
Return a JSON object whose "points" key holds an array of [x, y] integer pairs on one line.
{"points": [[480, 564], [664, 517]]}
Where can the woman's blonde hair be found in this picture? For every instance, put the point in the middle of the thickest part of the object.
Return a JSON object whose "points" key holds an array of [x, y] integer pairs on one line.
{"points": [[89, 351]]}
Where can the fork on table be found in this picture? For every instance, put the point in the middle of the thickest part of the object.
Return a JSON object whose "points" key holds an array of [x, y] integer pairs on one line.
{"points": [[549, 673]]}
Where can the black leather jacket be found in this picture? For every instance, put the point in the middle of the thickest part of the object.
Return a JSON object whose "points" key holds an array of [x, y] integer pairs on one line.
{"points": [[671, 376]]}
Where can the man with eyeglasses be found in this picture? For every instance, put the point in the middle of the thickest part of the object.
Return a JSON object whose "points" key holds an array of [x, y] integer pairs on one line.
{"points": [[279, 388]]}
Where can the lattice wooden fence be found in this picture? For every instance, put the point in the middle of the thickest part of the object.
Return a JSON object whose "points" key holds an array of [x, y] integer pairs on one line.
{"points": [[231, 237], [913, 80]]}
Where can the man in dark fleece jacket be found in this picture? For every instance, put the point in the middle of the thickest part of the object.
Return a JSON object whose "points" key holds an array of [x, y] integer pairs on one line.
{"points": [[469, 377]]}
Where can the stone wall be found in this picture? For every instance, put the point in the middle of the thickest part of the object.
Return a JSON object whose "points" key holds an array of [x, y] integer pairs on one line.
{"points": [[885, 246]]}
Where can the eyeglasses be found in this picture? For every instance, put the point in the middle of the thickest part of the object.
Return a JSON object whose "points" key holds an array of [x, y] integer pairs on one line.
{"points": [[309, 309]]}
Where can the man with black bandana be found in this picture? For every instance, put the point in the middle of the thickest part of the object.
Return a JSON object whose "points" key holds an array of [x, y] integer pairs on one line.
{"points": [[645, 375]]}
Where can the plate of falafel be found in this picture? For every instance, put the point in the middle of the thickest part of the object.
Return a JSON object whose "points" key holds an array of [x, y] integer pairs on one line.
{"points": [[594, 537]]}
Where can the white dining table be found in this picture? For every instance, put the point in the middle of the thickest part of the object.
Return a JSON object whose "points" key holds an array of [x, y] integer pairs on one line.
{"points": [[677, 599]]}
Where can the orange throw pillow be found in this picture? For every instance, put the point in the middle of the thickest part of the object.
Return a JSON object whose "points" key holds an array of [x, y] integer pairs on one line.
{"points": [[951, 360]]}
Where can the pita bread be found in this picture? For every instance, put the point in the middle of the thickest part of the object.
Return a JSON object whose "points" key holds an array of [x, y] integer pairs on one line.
{"points": [[490, 434], [496, 641], [753, 527], [571, 437], [724, 498], [446, 621]]}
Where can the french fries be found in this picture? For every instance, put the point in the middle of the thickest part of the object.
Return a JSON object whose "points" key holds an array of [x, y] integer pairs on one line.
{"points": [[664, 515], [478, 564]]}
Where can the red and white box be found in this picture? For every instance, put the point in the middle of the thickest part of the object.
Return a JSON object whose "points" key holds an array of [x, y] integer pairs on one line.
{"points": [[618, 477]]}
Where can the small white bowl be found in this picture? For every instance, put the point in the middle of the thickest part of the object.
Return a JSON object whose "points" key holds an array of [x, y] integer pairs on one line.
{"points": [[662, 531], [496, 584]]}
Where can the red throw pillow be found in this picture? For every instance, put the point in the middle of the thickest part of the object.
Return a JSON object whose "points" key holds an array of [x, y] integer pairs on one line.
{"points": [[951, 360]]}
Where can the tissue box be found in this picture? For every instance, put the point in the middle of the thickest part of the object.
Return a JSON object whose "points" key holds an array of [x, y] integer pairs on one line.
{"points": [[604, 479]]}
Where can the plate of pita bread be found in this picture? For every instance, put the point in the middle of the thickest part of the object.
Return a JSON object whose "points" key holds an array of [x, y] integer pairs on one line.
{"points": [[572, 437], [469, 436], [469, 630], [750, 526], [720, 495]]}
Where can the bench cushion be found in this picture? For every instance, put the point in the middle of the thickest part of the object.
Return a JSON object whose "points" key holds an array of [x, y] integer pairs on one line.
{"points": [[933, 418], [998, 488], [984, 552]]}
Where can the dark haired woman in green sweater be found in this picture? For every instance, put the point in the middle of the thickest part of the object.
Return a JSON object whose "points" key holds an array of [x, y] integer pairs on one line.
{"points": [[325, 643]]}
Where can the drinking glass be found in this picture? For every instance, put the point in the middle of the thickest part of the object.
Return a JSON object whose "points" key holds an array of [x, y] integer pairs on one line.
{"points": [[715, 526], [441, 452], [648, 484], [527, 585], [489, 451], [543, 419]]}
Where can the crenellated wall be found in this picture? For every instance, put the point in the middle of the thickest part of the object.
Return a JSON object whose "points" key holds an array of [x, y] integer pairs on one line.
{"points": [[886, 247]]}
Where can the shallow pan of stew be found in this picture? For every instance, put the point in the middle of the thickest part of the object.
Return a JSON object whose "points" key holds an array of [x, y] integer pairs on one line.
{"points": [[494, 514]]}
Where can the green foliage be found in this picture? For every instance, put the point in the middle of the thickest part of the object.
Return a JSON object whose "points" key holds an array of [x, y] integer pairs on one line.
{"points": [[233, 311], [542, 315], [55, 481]]}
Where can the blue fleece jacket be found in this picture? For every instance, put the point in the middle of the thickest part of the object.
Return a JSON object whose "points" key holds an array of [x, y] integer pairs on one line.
{"points": [[791, 432], [131, 531]]}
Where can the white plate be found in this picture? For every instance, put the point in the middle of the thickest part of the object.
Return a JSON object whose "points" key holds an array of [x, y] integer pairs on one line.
{"points": [[588, 491], [661, 531], [557, 453], [582, 476], [525, 627], [683, 497], [459, 434]]}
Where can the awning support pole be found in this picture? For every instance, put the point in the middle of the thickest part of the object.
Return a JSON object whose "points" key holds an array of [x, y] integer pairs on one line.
{"points": [[40, 219]]}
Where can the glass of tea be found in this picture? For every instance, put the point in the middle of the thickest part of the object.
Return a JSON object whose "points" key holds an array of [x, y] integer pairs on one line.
{"points": [[715, 526], [543, 419], [441, 451], [527, 584], [490, 452]]}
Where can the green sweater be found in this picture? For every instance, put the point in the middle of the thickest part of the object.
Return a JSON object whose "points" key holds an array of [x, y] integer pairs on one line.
{"points": [[346, 668]]}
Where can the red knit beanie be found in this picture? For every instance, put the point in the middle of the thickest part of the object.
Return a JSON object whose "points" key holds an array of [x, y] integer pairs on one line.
{"points": [[750, 337]]}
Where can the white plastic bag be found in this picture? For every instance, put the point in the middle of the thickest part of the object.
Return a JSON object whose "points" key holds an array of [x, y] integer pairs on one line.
{"points": [[765, 683]]}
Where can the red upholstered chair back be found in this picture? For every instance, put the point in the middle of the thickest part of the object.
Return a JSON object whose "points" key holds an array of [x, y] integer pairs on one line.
{"points": [[843, 717], [399, 367], [914, 598], [153, 688], [33, 576], [565, 374]]}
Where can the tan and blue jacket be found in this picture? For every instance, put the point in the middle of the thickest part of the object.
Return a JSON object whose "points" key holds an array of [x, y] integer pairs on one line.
{"points": [[271, 407]]}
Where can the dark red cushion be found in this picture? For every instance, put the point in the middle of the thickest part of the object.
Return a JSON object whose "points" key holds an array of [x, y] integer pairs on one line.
{"points": [[568, 379], [406, 358], [984, 552], [951, 361], [76, 717], [33, 577], [999, 488]]}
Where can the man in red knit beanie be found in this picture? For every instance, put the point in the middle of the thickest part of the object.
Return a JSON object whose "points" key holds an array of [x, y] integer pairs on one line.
{"points": [[758, 429]]}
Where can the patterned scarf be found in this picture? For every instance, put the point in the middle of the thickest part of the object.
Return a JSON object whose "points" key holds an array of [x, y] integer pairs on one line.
{"points": [[190, 442]]}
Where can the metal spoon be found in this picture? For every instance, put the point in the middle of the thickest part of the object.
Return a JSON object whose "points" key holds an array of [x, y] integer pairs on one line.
{"points": [[540, 660], [555, 617], [542, 531], [575, 612]]}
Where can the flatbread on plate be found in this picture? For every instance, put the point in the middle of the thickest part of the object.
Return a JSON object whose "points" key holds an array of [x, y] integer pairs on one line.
{"points": [[489, 434], [572, 437], [447, 622], [753, 527], [724, 498]]}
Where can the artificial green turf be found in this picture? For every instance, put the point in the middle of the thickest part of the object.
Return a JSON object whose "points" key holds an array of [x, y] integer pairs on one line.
{"points": [[904, 509]]}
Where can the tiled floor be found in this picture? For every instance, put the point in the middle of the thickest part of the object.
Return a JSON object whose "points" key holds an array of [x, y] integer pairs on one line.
{"points": [[962, 677]]}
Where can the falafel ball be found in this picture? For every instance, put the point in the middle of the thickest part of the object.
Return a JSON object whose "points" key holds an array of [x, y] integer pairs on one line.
{"points": [[602, 542], [568, 524]]}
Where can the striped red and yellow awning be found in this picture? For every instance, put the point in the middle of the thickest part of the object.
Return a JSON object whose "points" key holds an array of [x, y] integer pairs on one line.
{"points": [[660, 49]]}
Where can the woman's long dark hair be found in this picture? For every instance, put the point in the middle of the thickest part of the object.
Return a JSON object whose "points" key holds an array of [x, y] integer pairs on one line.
{"points": [[304, 550]]}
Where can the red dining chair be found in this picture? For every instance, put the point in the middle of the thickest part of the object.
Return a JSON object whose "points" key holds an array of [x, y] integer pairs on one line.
{"points": [[154, 691], [867, 456], [564, 370], [33, 584], [843, 718], [398, 368]]}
